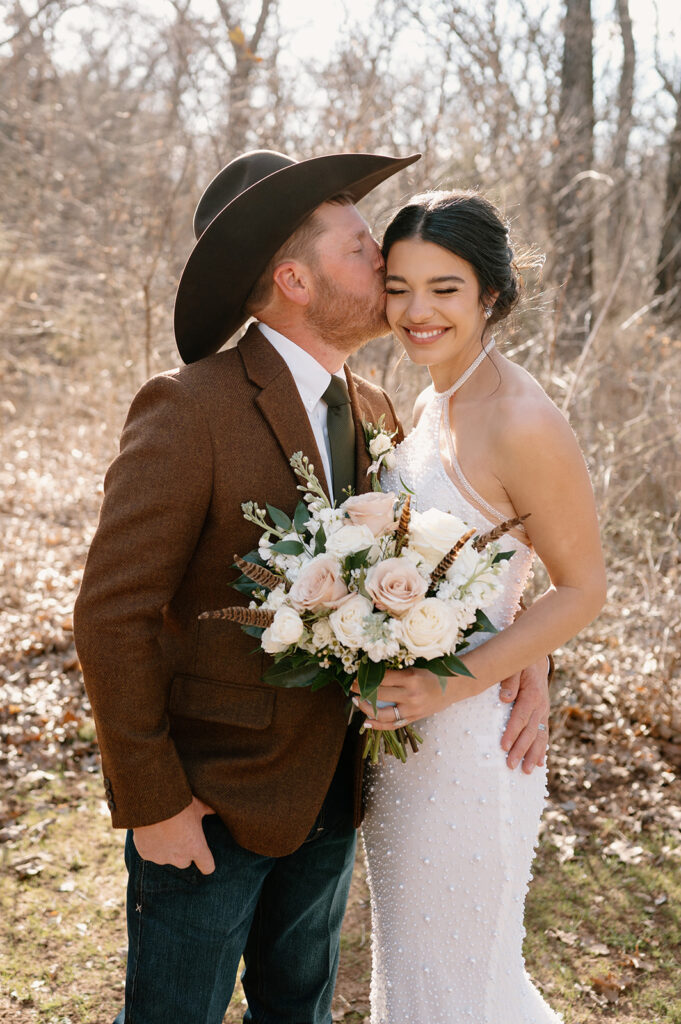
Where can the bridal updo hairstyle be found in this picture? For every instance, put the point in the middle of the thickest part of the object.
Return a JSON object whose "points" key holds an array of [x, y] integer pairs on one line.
{"points": [[469, 226]]}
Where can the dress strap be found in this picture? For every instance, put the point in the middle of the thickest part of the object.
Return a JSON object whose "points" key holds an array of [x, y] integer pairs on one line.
{"points": [[486, 349], [444, 421]]}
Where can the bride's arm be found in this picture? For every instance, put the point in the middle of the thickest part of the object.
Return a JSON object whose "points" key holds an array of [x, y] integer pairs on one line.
{"points": [[543, 472]]}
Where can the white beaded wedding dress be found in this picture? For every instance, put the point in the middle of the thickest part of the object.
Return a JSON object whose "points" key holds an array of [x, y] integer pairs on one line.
{"points": [[450, 835]]}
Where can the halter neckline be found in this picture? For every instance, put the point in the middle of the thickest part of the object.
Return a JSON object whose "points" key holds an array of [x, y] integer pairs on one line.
{"points": [[486, 349]]}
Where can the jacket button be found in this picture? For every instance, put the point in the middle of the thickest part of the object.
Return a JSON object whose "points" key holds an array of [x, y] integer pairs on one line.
{"points": [[111, 804]]}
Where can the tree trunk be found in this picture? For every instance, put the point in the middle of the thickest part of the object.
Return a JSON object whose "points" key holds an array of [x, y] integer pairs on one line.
{"points": [[669, 260], [573, 191], [618, 217], [241, 79]]}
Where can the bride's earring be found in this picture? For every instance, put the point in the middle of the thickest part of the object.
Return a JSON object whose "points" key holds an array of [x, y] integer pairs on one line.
{"points": [[487, 310]]}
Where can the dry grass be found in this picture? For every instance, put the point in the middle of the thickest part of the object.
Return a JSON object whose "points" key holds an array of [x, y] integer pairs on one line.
{"points": [[616, 730]]}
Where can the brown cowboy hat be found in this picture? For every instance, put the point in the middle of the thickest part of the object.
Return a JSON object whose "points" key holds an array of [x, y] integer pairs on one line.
{"points": [[247, 212]]}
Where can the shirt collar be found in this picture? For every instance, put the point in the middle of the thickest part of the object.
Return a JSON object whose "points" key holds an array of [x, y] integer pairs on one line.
{"points": [[311, 378]]}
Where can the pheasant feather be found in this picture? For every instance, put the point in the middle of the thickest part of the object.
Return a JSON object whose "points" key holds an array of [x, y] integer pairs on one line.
{"points": [[441, 568], [405, 519], [509, 524], [258, 573], [244, 616]]}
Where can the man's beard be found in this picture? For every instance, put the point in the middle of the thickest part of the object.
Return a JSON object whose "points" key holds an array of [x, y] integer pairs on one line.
{"points": [[342, 319]]}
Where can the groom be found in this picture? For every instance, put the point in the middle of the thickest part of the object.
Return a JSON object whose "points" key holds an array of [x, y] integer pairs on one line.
{"points": [[241, 800]]}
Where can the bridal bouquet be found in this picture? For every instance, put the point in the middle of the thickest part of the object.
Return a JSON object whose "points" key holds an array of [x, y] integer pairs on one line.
{"points": [[343, 593]]}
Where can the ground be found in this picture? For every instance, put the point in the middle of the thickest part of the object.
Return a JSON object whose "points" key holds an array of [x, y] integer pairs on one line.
{"points": [[604, 938]]}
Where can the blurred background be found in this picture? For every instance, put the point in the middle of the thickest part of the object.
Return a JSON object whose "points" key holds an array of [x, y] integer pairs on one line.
{"points": [[113, 118]]}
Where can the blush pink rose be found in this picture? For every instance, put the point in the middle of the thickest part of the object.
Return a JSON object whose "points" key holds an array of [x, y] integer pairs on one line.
{"points": [[319, 585], [395, 585], [373, 509]]}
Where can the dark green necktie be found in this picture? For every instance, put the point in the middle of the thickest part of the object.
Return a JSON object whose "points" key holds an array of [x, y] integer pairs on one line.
{"points": [[341, 428]]}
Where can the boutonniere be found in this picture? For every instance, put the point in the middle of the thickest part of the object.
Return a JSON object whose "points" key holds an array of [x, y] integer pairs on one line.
{"points": [[380, 446]]}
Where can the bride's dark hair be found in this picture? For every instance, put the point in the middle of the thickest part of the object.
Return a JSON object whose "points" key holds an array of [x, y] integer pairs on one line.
{"points": [[469, 226]]}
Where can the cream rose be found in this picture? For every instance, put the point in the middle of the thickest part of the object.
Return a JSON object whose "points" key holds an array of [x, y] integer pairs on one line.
{"points": [[373, 509], [434, 533], [286, 629], [319, 585], [395, 585], [429, 629], [349, 539], [322, 634], [347, 621], [379, 445]]}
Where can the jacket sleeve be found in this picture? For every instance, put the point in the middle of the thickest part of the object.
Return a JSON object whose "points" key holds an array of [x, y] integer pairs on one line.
{"points": [[156, 496]]}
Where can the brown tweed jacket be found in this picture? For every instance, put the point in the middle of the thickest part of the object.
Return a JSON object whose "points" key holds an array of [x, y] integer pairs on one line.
{"points": [[179, 703]]}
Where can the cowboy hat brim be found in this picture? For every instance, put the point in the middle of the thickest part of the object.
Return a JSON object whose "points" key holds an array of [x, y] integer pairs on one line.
{"points": [[237, 245]]}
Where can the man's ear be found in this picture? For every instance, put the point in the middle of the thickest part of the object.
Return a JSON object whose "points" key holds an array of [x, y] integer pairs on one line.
{"points": [[292, 278]]}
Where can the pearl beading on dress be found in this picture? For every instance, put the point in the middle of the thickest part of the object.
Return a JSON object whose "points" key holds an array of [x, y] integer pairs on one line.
{"points": [[449, 836]]}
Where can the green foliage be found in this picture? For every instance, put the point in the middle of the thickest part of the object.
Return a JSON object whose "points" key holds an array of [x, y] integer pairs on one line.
{"points": [[288, 547], [292, 671], [279, 518], [369, 677]]}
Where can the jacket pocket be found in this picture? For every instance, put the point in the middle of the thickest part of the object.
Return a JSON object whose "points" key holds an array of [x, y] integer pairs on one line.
{"points": [[250, 707]]}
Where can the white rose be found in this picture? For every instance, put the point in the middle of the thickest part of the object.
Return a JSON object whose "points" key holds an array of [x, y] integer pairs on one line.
{"points": [[322, 634], [434, 534], [429, 629], [286, 629], [349, 539], [348, 621], [379, 445]]}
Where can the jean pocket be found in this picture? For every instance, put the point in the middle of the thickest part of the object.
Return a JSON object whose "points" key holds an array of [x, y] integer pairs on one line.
{"points": [[167, 877]]}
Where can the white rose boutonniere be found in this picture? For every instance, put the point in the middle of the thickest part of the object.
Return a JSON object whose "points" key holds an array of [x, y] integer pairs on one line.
{"points": [[380, 446]]}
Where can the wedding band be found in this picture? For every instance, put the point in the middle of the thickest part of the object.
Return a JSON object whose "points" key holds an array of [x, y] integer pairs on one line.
{"points": [[541, 727], [397, 714]]}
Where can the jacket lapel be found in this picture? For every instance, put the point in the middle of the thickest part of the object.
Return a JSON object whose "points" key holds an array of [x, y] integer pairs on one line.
{"points": [[279, 400], [359, 415]]}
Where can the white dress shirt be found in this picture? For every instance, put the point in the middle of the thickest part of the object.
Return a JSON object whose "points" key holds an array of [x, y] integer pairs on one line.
{"points": [[312, 380]]}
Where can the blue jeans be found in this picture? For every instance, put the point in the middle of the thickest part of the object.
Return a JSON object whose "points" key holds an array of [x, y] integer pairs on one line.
{"points": [[187, 931]]}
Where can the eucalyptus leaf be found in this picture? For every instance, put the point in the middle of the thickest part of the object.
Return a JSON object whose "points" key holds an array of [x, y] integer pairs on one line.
{"points": [[502, 556], [300, 517], [369, 677], [483, 623], [289, 675], [447, 665], [247, 586], [279, 518], [288, 547], [356, 559], [319, 541]]}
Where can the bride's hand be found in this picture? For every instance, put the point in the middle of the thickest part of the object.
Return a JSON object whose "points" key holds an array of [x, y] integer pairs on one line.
{"points": [[416, 693]]}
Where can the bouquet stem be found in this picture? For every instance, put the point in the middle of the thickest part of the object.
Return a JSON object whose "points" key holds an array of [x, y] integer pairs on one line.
{"points": [[393, 741]]}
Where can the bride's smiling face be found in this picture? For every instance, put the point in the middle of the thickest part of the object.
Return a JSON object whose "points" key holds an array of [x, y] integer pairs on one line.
{"points": [[434, 306]]}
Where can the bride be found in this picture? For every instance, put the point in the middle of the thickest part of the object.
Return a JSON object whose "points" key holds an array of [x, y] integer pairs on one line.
{"points": [[450, 835]]}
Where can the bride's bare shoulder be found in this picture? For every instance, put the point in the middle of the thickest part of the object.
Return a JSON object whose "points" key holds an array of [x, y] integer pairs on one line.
{"points": [[525, 414]]}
